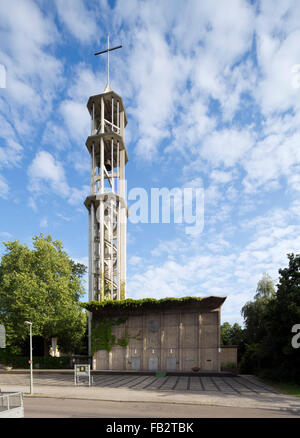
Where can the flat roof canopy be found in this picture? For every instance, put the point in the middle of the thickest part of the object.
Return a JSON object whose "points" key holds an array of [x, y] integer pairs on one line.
{"points": [[131, 306]]}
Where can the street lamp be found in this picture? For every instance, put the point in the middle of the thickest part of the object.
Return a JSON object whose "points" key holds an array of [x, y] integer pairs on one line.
{"points": [[31, 375]]}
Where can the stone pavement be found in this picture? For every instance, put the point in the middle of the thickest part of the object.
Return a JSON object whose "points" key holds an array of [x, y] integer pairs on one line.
{"points": [[226, 385], [241, 391]]}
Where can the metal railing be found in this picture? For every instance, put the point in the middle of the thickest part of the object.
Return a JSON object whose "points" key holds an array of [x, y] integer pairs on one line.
{"points": [[11, 404]]}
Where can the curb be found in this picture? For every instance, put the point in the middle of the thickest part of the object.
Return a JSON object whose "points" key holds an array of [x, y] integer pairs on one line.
{"points": [[167, 402]]}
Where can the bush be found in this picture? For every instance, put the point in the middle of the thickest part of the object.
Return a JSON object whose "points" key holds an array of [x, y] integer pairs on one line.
{"points": [[229, 366], [47, 362], [251, 359]]}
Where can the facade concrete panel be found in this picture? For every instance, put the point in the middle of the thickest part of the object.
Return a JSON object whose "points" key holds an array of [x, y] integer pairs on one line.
{"points": [[135, 321], [189, 358], [209, 318], [118, 358], [209, 336], [175, 340], [209, 359], [190, 318], [171, 320], [170, 338], [189, 336]]}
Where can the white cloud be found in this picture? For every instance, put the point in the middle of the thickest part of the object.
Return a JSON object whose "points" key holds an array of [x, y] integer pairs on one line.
{"points": [[47, 174], [64, 218], [45, 171], [86, 83], [277, 31], [79, 20], [26, 37], [134, 260], [5, 235], [275, 156], [44, 222], [77, 119], [156, 80], [226, 147], [32, 203], [4, 188], [77, 196], [57, 136], [10, 154], [221, 177]]}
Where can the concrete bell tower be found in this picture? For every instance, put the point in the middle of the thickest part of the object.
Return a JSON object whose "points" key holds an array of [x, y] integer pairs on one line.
{"points": [[106, 203]]}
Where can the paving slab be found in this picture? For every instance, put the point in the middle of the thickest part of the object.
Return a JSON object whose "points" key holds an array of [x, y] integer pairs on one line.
{"points": [[238, 385]]}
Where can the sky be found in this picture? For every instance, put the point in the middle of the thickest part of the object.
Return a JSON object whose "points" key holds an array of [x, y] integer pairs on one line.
{"points": [[212, 95]]}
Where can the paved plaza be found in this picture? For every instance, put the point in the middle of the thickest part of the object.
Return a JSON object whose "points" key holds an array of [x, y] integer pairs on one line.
{"points": [[246, 385]]}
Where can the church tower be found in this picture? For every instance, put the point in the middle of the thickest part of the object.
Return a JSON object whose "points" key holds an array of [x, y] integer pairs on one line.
{"points": [[106, 203]]}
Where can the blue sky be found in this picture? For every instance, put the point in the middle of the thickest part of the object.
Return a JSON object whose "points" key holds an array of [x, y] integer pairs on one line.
{"points": [[213, 102]]}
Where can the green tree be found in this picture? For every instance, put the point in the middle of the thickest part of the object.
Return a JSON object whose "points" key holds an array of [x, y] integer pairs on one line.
{"points": [[254, 311], [269, 320], [42, 285], [226, 333], [256, 326], [282, 314], [265, 287], [233, 335]]}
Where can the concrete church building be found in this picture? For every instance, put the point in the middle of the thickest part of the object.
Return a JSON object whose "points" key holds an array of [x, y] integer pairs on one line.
{"points": [[148, 335], [167, 335]]}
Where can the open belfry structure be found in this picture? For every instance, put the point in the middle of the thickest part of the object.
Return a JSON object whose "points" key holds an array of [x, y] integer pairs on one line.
{"points": [[106, 203], [170, 334]]}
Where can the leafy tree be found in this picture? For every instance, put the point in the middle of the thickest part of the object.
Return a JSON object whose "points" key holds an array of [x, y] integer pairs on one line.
{"points": [[265, 287], [233, 335], [254, 311], [255, 320], [269, 320], [282, 314], [226, 333], [42, 285]]}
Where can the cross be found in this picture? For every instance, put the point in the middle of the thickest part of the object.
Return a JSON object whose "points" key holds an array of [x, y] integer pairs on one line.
{"points": [[107, 51]]}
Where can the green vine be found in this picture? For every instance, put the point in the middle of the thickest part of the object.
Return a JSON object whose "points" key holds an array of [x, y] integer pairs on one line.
{"points": [[102, 337], [105, 306], [125, 341]]}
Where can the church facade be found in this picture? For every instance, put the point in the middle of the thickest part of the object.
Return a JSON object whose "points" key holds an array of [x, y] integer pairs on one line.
{"points": [[170, 336]]}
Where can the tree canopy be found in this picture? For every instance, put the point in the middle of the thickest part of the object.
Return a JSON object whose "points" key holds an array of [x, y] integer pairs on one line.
{"points": [[254, 311], [231, 334], [268, 323], [282, 314], [42, 285]]}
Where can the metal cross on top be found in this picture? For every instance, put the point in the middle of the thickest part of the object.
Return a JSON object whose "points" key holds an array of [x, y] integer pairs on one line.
{"points": [[107, 51]]}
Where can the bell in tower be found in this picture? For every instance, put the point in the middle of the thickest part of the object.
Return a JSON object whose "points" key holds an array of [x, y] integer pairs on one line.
{"points": [[107, 163]]}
